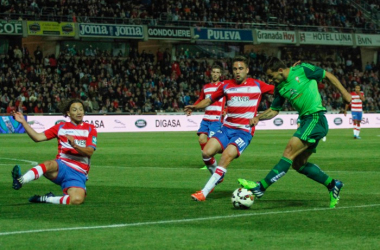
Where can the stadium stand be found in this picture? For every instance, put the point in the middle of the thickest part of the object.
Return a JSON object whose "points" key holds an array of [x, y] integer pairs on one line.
{"points": [[146, 81]]}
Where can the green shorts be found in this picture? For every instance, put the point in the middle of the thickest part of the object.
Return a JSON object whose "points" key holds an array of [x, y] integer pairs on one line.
{"points": [[313, 128]]}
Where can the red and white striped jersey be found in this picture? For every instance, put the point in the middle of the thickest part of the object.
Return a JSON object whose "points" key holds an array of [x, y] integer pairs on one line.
{"points": [[356, 102], [215, 110], [85, 135], [242, 101]]}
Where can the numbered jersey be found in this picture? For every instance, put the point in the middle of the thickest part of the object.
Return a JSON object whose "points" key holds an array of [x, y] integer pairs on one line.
{"points": [[215, 110], [242, 101], [85, 135]]}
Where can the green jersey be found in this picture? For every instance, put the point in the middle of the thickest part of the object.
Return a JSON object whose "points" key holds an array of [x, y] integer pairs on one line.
{"points": [[300, 89]]}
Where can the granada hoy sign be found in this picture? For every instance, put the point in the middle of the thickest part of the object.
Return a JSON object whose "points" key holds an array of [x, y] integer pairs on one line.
{"points": [[268, 36]]}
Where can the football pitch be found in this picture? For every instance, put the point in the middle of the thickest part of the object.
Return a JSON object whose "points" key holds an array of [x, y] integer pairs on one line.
{"points": [[139, 196]]}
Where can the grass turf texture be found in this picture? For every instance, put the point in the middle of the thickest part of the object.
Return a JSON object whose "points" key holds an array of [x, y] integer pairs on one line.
{"points": [[139, 197]]}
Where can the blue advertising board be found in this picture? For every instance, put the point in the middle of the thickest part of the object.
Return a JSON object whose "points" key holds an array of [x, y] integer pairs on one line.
{"points": [[8, 125], [223, 35]]}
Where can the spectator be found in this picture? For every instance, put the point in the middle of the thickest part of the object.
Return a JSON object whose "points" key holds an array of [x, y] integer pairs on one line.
{"points": [[38, 108], [17, 52], [38, 55], [11, 107]]}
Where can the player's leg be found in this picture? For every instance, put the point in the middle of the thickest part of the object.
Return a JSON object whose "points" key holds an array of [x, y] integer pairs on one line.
{"points": [[358, 121], [354, 122], [215, 145], [203, 136], [73, 184], [202, 133], [202, 140], [217, 177], [238, 141], [313, 128], [212, 147], [74, 196], [45, 168], [312, 171]]}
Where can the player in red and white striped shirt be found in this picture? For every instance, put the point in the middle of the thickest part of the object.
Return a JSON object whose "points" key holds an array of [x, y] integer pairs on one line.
{"points": [[356, 110], [212, 120], [76, 144], [243, 96]]}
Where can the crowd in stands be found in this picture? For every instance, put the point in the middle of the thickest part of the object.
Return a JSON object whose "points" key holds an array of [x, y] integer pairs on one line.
{"points": [[209, 13], [146, 82]]}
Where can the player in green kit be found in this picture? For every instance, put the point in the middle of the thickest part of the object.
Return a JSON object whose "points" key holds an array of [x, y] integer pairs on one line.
{"points": [[298, 85]]}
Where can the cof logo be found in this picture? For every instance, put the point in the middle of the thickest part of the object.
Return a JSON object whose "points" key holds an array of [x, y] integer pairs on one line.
{"points": [[278, 122], [140, 123], [338, 121]]}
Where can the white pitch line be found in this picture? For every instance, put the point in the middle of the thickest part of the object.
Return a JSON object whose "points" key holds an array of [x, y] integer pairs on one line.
{"points": [[245, 169], [185, 168], [181, 221], [31, 162]]}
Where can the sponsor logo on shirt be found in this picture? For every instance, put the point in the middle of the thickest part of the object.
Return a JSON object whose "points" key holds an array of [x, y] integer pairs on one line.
{"points": [[240, 98], [94, 140], [81, 143]]}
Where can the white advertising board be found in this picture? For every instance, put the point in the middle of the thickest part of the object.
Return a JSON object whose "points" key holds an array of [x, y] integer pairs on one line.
{"points": [[166, 123]]}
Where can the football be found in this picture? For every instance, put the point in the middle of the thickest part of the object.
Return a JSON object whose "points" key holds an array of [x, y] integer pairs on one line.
{"points": [[242, 198]]}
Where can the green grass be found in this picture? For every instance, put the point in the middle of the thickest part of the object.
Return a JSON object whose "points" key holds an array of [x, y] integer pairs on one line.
{"points": [[139, 197]]}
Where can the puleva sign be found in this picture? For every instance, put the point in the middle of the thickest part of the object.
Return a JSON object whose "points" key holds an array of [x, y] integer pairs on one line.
{"points": [[236, 35]]}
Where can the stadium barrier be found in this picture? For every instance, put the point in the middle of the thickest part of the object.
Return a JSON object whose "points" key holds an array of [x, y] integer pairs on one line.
{"points": [[166, 123]]}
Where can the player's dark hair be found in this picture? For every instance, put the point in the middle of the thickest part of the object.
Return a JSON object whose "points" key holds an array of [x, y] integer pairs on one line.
{"points": [[64, 106], [273, 63], [216, 66], [240, 59]]}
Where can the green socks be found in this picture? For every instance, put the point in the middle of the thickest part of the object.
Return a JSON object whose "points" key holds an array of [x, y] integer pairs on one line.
{"points": [[276, 173], [315, 173]]}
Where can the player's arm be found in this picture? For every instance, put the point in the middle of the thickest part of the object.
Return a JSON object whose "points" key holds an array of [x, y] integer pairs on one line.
{"points": [[205, 102], [266, 115], [85, 151], [361, 96], [334, 81], [345, 109], [37, 137], [202, 104], [201, 97]]}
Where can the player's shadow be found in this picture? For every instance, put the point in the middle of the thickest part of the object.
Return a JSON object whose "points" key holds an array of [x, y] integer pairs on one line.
{"points": [[271, 202]]}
